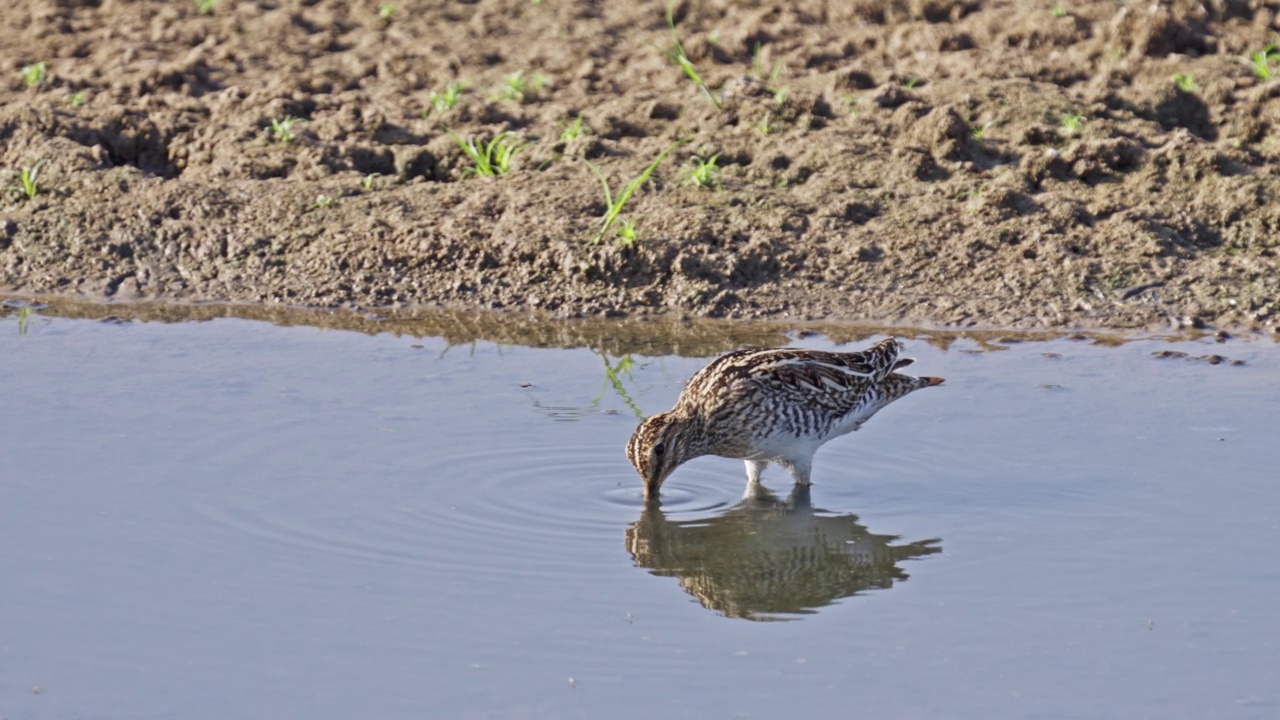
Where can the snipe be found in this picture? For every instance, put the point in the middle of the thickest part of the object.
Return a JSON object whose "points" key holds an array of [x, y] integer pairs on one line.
{"points": [[774, 405]]}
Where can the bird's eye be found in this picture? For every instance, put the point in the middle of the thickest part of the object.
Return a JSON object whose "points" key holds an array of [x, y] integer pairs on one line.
{"points": [[659, 449]]}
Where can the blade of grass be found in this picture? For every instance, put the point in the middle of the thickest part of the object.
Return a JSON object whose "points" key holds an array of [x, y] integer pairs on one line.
{"points": [[615, 206]]}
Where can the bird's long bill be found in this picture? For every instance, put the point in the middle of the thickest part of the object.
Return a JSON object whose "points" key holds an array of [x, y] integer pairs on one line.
{"points": [[651, 485]]}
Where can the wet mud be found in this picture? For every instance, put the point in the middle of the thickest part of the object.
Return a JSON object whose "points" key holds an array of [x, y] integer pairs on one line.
{"points": [[1012, 164]]}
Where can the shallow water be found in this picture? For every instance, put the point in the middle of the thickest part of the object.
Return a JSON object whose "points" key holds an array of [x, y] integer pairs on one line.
{"points": [[234, 519]]}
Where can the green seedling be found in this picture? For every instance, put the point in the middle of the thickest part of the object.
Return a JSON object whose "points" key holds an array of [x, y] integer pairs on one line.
{"points": [[980, 132], [35, 73], [282, 130], [24, 312], [518, 88], [677, 55], [911, 83], [76, 98], [386, 10], [1058, 11], [367, 182], [206, 7], [627, 232], [442, 101], [615, 204], [1260, 61], [704, 173], [322, 202], [573, 130], [29, 180], [492, 158], [757, 65], [1073, 123], [1186, 83]]}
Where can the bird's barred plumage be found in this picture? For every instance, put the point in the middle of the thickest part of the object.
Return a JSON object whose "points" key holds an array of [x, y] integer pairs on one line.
{"points": [[771, 405]]}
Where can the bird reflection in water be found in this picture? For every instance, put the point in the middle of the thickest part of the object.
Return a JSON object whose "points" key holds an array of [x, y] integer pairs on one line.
{"points": [[767, 558]]}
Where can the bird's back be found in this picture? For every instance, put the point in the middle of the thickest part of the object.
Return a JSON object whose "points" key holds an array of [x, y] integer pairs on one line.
{"points": [[752, 393]]}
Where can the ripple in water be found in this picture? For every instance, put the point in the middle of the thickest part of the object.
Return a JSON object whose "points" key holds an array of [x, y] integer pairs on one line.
{"points": [[522, 511]]}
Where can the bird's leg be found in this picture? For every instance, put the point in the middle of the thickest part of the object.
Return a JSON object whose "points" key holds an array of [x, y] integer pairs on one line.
{"points": [[799, 468], [754, 468]]}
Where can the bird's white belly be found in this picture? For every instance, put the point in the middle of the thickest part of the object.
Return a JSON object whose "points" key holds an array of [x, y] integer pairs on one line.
{"points": [[785, 445], [788, 445]]}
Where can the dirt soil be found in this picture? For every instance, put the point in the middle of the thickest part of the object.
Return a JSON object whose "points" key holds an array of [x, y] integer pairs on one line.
{"points": [[1016, 163]]}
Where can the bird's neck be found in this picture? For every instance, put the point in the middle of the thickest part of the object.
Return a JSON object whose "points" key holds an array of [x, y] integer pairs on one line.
{"points": [[693, 436]]}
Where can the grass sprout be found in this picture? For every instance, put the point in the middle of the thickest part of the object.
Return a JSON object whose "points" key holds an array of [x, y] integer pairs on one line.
{"points": [[627, 232], [980, 132], [29, 180], [386, 10], [1073, 123], [1058, 11], [282, 130], [1186, 83], [1260, 61], [573, 130], [24, 313], [704, 173], [757, 65], [491, 158], [518, 87], [206, 7], [367, 182], [322, 202], [76, 98], [35, 73], [615, 203], [441, 101], [677, 55]]}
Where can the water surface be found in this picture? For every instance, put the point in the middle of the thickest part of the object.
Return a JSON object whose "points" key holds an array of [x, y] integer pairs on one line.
{"points": [[236, 519]]}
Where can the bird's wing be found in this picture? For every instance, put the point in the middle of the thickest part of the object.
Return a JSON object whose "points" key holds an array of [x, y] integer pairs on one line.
{"points": [[807, 371]]}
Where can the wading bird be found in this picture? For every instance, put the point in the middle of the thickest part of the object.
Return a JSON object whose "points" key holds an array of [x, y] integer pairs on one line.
{"points": [[773, 405]]}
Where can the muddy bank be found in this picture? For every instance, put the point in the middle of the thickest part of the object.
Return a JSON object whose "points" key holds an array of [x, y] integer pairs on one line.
{"points": [[614, 337], [991, 163]]}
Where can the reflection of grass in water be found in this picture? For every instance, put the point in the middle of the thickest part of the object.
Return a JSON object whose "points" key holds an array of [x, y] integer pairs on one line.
{"points": [[613, 376]]}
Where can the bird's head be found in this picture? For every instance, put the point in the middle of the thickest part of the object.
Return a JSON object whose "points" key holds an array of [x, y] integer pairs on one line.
{"points": [[661, 444]]}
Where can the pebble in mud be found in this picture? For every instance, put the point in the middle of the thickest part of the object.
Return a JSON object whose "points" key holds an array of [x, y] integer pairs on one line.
{"points": [[1212, 359]]}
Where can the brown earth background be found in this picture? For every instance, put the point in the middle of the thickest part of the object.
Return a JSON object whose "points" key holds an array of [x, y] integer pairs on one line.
{"points": [[896, 161]]}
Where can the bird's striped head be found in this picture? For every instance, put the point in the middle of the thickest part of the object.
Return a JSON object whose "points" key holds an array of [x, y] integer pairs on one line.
{"points": [[658, 446]]}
